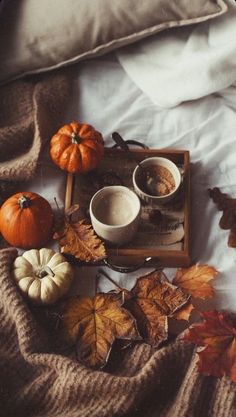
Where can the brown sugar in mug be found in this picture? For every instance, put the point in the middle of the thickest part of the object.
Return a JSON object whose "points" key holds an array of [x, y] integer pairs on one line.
{"points": [[165, 180]]}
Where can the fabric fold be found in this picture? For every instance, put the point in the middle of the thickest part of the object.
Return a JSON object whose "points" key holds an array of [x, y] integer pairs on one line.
{"points": [[30, 112], [187, 63]]}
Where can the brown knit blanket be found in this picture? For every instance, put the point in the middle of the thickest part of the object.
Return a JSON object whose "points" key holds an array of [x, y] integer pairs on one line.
{"points": [[37, 378]]}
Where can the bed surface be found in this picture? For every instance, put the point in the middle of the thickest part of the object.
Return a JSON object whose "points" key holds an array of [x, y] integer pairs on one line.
{"points": [[106, 97], [162, 105]]}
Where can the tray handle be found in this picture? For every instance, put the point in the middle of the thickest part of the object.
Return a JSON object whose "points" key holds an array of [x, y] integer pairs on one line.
{"points": [[128, 269], [133, 142]]}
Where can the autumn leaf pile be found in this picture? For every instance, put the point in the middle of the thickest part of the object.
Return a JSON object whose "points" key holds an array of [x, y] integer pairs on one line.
{"points": [[92, 324]]}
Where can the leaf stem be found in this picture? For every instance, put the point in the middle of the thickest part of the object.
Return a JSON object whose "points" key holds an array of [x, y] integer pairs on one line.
{"points": [[163, 273], [58, 208], [110, 279], [96, 283]]}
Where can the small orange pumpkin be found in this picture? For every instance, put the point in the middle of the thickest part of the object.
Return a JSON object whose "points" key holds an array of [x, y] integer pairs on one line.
{"points": [[77, 147], [26, 220]]}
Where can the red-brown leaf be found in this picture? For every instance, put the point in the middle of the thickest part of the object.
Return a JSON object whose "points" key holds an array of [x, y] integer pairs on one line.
{"points": [[217, 335]]}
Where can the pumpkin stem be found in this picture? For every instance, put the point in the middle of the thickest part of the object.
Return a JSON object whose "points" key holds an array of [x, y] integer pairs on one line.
{"points": [[45, 271], [24, 202], [75, 138]]}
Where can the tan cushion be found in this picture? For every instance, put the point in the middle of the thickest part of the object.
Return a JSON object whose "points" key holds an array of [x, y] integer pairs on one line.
{"points": [[36, 36]]}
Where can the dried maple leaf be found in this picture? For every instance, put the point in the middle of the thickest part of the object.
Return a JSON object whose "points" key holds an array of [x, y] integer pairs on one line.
{"points": [[222, 200], [152, 300], [78, 239], [94, 324], [217, 336], [194, 280], [75, 208], [184, 313], [232, 237], [228, 218]]}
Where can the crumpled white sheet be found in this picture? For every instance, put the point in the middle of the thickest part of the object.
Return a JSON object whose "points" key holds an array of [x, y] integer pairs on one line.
{"points": [[108, 99], [185, 63]]}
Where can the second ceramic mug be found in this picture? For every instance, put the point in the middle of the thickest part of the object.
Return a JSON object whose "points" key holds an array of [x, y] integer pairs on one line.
{"points": [[158, 162]]}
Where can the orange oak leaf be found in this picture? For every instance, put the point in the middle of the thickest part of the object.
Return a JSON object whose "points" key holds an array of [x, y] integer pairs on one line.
{"points": [[194, 280], [217, 337], [151, 301], [78, 239], [94, 324]]}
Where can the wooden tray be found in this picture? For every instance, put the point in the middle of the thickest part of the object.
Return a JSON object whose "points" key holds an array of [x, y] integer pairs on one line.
{"points": [[116, 168]]}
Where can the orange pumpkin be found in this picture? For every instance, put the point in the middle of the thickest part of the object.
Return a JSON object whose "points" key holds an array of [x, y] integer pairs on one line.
{"points": [[26, 220], [77, 147]]}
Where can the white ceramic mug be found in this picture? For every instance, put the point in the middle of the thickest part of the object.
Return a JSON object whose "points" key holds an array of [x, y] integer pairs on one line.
{"points": [[115, 214]]}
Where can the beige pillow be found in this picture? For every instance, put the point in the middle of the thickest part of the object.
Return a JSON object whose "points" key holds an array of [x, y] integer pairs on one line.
{"points": [[40, 35]]}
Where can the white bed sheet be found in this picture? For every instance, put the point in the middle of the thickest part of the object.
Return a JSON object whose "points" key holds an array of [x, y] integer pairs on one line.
{"points": [[107, 98], [185, 63]]}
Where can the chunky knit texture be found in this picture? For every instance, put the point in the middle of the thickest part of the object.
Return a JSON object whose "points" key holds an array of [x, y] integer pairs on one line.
{"points": [[38, 376], [36, 381], [30, 112]]}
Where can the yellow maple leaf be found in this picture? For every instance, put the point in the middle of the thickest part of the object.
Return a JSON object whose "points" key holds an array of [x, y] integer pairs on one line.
{"points": [[94, 324]]}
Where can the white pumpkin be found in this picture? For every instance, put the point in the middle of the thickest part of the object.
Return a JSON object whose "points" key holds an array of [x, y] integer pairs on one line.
{"points": [[43, 275]]}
